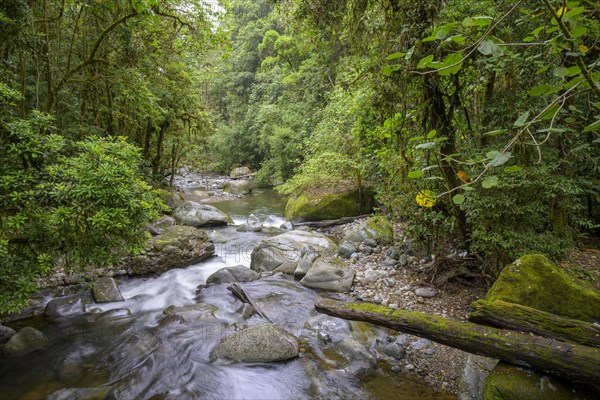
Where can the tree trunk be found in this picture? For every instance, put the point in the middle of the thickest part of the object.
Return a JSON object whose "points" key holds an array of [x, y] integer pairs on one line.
{"points": [[525, 319], [572, 361]]}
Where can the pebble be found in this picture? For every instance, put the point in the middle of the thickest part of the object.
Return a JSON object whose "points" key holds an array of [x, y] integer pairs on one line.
{"points": [[426, 292]]}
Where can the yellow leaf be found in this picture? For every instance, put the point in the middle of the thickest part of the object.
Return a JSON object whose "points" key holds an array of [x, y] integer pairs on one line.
{"points": [[425, 198], [462, 175], [583, 48], [561, 11]]}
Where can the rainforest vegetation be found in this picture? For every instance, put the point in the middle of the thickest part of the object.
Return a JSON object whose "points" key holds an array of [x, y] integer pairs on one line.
{"points": [[475, 122]]}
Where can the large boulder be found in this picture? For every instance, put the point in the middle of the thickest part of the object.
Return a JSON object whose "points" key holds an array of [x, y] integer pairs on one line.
{"points": [[282, 252], [26, 341], [173, 199], [105, 290], [511, 382], [158, 227], [329, 274], [535, 282], [242, 186], [238, 273], [195, 214], [177, 247], [258, 343], [374, 231], [5, 333], [320, 207], [239, 172], [65, 307]]}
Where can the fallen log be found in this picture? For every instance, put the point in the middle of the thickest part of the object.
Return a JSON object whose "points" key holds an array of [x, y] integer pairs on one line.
{"points": [[501, 314], [241, 294], [572, 361], [330, 222]]}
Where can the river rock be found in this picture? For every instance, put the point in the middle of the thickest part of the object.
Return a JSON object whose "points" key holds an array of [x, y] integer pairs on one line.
{"points": [[193, 312], [173, 199], [64, 307], [472, 380], [242, 186], [238, 273], [325, 326], [425, 292], [100, 393], [194, 214], [282, 252], [367, 235], [105, 290], [252, 225], [329, 274], [239, 172], [309, 255], [177, 247], [5, 333], [158, 227], [511, 382], [326, 206], [535, 282], [25, 341], [360, 360], [258, 343]]}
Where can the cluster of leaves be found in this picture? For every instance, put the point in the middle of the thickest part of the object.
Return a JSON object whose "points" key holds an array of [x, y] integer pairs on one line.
{"points": [[62, 202], [108, 99]]}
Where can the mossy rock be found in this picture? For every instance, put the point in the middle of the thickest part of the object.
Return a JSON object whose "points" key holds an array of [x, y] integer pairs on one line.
{"points": [[382, 229], [511, 382], [535, 282], [321, 207]]}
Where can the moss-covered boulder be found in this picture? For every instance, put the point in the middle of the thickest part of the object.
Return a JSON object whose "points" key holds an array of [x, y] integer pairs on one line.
{"points": [[535, 282], [510, 382], [325, 206]]}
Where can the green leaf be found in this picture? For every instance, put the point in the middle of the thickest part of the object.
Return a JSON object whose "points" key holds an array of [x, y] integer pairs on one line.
{"points": [[594, 126], [522, 119], [499, 159], [495, 133], [415, 174], [395, 56], [578, 31], [560, 72], [424, 63], [425, 146], [386, 70], [512, 169], [543, 90], [574, 70], [489, 182], [488, 47], [431, 134], [458, 199]]}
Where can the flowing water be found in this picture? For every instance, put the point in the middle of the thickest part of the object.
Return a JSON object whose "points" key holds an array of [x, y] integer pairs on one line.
{"points": [[130, 347]]}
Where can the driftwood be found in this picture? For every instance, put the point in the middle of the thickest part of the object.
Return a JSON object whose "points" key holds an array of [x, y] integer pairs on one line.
{"points": [[505, 315], [241, 294], [330, 222], [571, 361]]}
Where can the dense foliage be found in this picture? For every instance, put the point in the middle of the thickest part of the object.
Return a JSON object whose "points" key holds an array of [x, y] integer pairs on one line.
{"points": [[477, 122], [97, 98]]}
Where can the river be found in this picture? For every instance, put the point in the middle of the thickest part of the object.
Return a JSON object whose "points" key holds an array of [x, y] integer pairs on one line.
{"points": [[125, 347]]}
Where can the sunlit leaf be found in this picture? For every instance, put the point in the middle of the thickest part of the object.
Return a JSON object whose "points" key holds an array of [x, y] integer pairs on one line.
{"points": [[463, 176], [415, 174], [426, 198]]}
